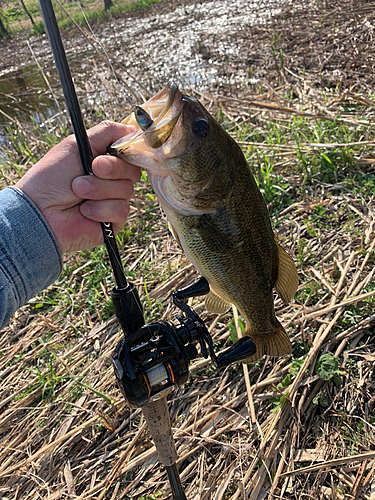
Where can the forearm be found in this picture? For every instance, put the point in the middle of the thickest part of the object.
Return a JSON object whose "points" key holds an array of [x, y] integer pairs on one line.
{"points": [[30, 259]]}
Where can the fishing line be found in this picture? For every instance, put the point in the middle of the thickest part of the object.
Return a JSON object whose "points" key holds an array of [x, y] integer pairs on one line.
{"points": [[108, 54], [45, 78], [100, 45], [130, 95]]}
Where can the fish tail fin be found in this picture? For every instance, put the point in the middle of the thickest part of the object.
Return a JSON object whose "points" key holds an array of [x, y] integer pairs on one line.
{"points": [[275, 344]]}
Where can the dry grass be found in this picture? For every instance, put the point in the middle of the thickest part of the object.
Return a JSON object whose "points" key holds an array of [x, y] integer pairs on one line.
{"points": [[289, 428], [62, 438]]}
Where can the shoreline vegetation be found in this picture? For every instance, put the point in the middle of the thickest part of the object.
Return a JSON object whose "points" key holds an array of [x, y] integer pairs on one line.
{"points": [[26, 19], [304, 113]]}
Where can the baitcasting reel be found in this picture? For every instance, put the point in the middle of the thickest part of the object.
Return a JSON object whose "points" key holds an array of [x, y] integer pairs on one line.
{"points": [[149, 361]]}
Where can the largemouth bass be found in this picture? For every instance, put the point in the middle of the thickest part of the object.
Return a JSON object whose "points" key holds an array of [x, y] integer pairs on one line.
{"points": [[216, 211]]}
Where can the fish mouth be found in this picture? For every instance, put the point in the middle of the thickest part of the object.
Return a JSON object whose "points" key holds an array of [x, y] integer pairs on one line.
{"points": [[146, 148]]}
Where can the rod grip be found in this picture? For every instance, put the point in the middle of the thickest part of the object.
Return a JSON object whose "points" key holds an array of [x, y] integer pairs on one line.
{"points": [[157, 417]]}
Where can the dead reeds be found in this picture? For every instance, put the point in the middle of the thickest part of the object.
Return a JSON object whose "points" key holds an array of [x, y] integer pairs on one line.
{"points": [[286, 428]]}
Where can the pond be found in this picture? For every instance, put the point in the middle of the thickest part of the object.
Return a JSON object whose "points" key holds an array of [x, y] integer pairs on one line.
{"points": [[203, 45], [25, 96]]}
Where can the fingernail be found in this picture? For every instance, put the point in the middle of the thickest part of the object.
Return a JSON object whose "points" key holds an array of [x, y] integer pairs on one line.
{"points": [[105, 166], [85, 209], [82, 186]]}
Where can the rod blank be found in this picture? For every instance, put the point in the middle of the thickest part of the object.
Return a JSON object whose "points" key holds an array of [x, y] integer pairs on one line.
{"points": [[74, 110]]}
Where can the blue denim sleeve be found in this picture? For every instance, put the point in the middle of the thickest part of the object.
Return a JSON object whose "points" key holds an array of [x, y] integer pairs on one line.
{"points": [[30, 258]]}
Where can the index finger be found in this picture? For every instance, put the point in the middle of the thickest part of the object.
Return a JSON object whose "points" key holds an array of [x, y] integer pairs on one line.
{"points": [[111, 167], [106, 133]]}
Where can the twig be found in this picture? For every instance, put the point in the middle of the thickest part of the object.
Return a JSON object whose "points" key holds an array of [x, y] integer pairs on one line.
{"points": [[331, 463], [246, 372]]}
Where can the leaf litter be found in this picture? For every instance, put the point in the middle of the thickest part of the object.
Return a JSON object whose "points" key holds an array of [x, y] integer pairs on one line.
{"points": [[296, 427]]}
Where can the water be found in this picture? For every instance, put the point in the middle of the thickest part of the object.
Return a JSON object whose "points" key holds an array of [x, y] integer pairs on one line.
{"points": [[24, 95], [201, 44]]}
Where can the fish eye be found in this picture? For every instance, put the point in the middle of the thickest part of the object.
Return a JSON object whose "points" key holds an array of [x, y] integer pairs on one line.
{"points": [[201, 127]]}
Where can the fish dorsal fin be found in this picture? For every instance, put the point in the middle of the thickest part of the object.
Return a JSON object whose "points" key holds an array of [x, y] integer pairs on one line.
{"points": [[215, 304], [287, 277]]}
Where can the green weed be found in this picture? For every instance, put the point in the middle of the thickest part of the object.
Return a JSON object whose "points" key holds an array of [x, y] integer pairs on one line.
{"points": [[360, 184], [47, 380], [14, 14], [321, 399], [327, 368], [311, 229], [284, 384], [100, 15], [301, 251], [309, 294], [38, 28], [75, 392], [271, 185], [151, 497], [233, 330], [106, 398]]}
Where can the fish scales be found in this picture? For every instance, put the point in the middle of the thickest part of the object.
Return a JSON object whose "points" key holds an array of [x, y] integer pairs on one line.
{"points": [[234, 249]]}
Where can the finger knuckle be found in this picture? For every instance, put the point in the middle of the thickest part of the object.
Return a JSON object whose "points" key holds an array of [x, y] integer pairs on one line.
{"points": [[106, 123], [130, 189]]}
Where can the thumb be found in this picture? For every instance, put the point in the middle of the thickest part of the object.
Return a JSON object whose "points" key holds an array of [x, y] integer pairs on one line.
{"points": [[105, 134]]}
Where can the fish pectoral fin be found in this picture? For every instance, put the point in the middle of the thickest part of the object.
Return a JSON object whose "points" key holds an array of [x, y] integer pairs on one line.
{"points": [[215, 304], [212, 236], [287, 276], [174, 233], [274, 344]]}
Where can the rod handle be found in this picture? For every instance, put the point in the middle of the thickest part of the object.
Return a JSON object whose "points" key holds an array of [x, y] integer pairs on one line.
{"points": [[157, 417]]}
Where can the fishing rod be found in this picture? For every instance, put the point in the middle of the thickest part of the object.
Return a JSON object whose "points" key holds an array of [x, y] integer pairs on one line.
{"points": [[151, 359], [128, 308], [74, 110]]}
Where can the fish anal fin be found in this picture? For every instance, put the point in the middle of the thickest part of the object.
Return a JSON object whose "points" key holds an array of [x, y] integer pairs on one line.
{"points": [[215, 304], [275, 344], [287, 276]]}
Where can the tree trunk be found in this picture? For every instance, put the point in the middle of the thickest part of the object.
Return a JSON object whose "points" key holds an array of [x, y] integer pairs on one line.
{"points": [[28, 13], [3, 31], [107, 4]]}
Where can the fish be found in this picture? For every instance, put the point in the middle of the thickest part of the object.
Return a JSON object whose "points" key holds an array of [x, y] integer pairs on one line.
{"points": [[216, 211]]}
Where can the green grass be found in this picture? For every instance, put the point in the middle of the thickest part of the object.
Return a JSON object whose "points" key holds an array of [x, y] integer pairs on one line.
{"points": [[151, 497], [329, 165], [282, 387], [47, 379], [93, 12], [289, 170]]}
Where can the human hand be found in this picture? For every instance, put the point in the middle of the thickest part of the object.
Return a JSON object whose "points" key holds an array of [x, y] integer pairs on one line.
{"points": [[73, 204]]}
